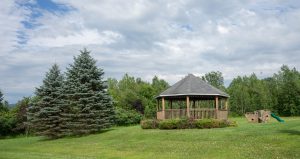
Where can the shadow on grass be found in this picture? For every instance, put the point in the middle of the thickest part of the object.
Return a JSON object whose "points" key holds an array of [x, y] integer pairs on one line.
{"points": [[290, 132], [75, 136]]}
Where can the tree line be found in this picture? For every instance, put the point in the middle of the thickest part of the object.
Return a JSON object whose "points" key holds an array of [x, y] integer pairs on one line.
{"points": [[80, 101], [279, 93]]}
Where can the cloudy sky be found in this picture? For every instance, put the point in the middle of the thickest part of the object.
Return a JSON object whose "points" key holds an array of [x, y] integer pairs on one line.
{"points": [[168, 38]]}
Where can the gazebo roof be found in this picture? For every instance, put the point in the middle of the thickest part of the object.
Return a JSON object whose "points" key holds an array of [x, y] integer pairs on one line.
{"points": [[194, 86]]}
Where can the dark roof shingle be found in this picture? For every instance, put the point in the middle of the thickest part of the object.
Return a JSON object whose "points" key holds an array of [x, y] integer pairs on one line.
{"points": [[192, 85]]}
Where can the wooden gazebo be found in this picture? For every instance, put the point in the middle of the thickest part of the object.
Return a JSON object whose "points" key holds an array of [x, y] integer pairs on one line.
{"points": [[193, 98]]}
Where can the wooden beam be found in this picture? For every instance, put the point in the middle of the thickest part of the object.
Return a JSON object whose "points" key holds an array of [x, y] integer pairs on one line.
{"points": [[188, 106], [163, 103], [226, 104], [163, 106], [157, 105], [170, 101], [217, 103]]}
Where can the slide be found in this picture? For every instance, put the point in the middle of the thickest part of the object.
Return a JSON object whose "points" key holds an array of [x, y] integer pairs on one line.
{"points": [[277, 117]]}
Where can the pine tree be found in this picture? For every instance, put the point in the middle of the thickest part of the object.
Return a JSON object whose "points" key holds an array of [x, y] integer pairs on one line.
{"points": [[88, 107], [1, 104], [44, 116]]}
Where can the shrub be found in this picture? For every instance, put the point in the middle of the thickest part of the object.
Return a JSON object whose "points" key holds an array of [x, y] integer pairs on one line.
{"points": [[7, 123], [186, 124], [176, 124], [168, 124], [211, 123], [127, 117], [149, 124], [204, 123]]}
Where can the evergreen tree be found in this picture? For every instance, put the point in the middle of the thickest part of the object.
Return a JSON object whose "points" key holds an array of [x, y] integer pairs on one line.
{"points": [[1, 97], [88, 107], [44, 116], [3, 104]]}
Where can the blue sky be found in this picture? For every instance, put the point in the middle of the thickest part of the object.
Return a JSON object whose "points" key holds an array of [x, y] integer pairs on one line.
{"points": [[167, 38]]}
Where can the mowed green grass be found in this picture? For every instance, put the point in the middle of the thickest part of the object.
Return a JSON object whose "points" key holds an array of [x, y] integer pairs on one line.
{"points": [[270, 140]]}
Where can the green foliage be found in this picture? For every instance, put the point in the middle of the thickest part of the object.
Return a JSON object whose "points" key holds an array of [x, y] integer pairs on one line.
{"points": [[149, 124], [215, 78], [172, 124], [279, 93], [75, 106], [7, 123], [127, 117], [87, 107], [1, 97], [248, 94], [45, 113], [14, 121], [288, 84], [211, 123], [132, 93], [3, 104], [186, 124], [20, 112]]}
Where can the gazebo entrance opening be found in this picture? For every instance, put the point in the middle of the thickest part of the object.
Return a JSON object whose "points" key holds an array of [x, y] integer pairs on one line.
{"points": [[193, 106]]}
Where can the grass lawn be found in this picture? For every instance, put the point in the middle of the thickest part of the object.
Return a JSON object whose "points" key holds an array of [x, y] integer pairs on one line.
{"points": [[270, 140]]}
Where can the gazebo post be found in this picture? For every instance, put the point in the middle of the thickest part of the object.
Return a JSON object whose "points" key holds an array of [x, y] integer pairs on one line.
{"points": [[163, 106], [188, 106], [217, 103], [226, 104], [157, 105], [217, 106], [171, 108]]}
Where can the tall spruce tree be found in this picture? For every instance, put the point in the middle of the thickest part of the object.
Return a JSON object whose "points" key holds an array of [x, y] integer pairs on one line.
{"points": [[2, 105], [88, 106], [45, 114]]}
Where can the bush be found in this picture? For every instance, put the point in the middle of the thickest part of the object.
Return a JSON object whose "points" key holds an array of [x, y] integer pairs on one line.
{"points": [[186, 124], [211, 123], [202, 124], [7, 123], [127, 117], [169, 124], [149, 124], [176, 124]]}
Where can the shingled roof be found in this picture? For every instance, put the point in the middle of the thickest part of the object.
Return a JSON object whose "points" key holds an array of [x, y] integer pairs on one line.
{"points": [[192, 85]]}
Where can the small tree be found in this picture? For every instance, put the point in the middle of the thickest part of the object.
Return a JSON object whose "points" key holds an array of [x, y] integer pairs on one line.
{"points": [[45, 113], [3, 104], [88, 107], [215, 79], [21, 115]]}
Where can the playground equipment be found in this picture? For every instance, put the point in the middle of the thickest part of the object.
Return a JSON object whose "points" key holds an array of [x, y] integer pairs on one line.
{"points": [[277, 118], [259, 116]]}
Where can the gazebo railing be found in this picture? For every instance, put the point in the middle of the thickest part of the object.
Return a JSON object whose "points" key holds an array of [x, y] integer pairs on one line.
{"points": [[175, 113], [202, 113]]}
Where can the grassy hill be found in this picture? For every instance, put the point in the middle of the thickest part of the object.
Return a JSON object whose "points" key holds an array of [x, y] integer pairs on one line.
{"points": [[271, 140]]}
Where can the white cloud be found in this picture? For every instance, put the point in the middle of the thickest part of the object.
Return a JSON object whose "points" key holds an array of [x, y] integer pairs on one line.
{"points": [[83, 37], [222, 30], [146, 38]]}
